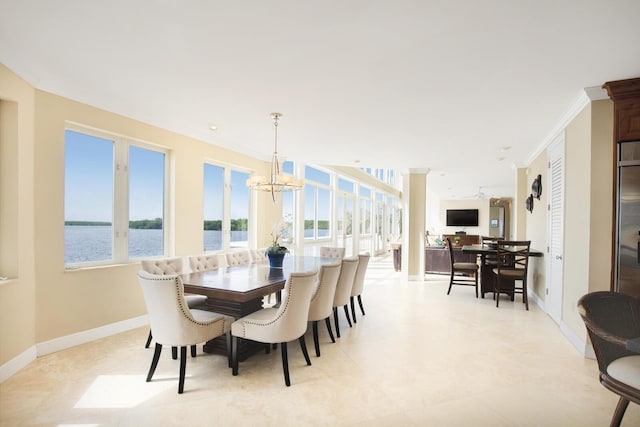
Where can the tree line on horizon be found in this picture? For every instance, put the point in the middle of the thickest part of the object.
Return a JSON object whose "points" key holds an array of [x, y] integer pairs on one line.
{"points": [[239, 224]]}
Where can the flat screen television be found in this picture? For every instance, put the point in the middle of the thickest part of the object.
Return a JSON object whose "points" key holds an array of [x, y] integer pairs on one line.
{"points": [[462, 217]]}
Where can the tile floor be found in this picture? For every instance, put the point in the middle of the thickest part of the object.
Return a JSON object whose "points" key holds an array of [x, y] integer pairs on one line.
{"points": [[418, 358]]}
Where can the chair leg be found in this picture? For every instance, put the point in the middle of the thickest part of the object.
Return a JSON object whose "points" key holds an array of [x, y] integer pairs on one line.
{"points": [[183, 366], [303, 347], [621, 407], [328, 322], [450, 281], [362, 307], [154, 361], [497, 289], [476, 277], [174, 353], [316, 340], [525, 296], [335, 321], [285, 363], [346, 313], [193, 351], [234, 355], [229, 361], [353, 309], [148, 340]]}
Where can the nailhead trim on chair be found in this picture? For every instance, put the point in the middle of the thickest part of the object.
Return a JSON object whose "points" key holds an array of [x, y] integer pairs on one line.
{"points": [[286, 304], [178, 283]]}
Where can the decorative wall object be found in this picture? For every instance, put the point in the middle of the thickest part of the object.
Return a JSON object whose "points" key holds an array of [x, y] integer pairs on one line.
{"points": [[536, 187], [529, 203]]}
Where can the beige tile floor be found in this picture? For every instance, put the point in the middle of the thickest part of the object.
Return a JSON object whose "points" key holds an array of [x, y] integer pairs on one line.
{"points": [[418, 358]]}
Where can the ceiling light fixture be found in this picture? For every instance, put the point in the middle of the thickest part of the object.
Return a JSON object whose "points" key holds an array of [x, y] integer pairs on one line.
{"points": [[276, 182]]}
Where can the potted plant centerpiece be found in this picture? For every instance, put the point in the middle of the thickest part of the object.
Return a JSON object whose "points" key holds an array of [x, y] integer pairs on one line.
{"points": [[276, 251]]}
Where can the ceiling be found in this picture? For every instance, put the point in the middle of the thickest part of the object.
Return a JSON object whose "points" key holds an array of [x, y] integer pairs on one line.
{"points": [[423, 84]]}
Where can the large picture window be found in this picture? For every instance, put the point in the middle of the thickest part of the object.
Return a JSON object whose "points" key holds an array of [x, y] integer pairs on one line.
{"points": [[114, 199], [317, 209], [226, 208]]}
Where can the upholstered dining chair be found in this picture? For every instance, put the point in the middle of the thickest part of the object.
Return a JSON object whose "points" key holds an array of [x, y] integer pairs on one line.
{"points": [[238, 257], [462, 273], [172, 265], [199, 263], [331, 252], [174, 323], [613, 323], [513, 265], [343, 289], [258, 255], [322, 300], [279, 325], [358, 285]]}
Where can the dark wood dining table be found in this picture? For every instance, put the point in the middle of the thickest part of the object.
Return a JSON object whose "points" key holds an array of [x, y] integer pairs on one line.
{"points": [[239, 290], [487, 276]]}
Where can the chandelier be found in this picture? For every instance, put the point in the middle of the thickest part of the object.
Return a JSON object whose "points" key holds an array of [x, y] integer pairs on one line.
{"points": [[276, 182]]}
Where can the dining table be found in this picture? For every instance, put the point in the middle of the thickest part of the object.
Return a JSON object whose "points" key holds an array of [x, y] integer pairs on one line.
{"points": [[487, 276], [239, 290]]}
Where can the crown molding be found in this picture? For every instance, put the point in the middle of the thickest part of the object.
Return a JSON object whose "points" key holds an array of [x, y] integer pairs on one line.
{"points": [[578, 105]]}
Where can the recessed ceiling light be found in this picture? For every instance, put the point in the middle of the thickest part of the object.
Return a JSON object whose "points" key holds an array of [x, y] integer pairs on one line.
{"points": [[213, 127], [356, 161], [500, 159], [505, 148]]}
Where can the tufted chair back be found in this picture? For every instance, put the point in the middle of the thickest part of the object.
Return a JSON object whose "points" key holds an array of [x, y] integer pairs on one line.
{"points": [[345, 281], [331, 252], [171, 319], [163, 265], [238, 257], [322, 300], [259, 255], [358, 280], [289, 321], [204, 262]]}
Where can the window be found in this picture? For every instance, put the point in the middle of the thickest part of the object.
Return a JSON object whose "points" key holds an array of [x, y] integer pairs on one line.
{"points": [[239, 210], [114, 199], [226, 213], [317, 209], [146, 202], [365, 211], [213, 207]]}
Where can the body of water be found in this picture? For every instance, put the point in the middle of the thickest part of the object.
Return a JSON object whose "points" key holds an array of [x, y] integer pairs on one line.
{"points": [[87, 243]]}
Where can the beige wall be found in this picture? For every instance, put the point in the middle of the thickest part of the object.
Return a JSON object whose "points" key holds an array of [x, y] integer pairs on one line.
{"points": [[536, 224], [588, 203], [17, 295]]}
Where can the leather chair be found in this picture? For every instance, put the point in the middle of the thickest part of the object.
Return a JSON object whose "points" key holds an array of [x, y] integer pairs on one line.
{"points": [[238, 257], [461, 271], [343, 289], [613, 323], [358, 284], [279, 325], [322, 301], [331, 252], [513, 266], [174, 323], [199, 263], [173, 265]]}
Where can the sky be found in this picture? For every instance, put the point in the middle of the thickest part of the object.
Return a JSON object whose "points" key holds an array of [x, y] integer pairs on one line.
{"points": [[89, 182]]}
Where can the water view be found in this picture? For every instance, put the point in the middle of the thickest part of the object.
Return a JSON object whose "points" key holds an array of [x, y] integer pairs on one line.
{"points": [[88, 243]]}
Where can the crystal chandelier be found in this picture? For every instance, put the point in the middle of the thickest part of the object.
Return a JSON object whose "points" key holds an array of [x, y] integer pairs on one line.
{"points": [[276, 182]]}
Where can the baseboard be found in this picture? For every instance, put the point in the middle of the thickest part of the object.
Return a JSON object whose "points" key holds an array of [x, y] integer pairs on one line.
{"points": [[83, 337], [17, 363], [579, 343]]}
